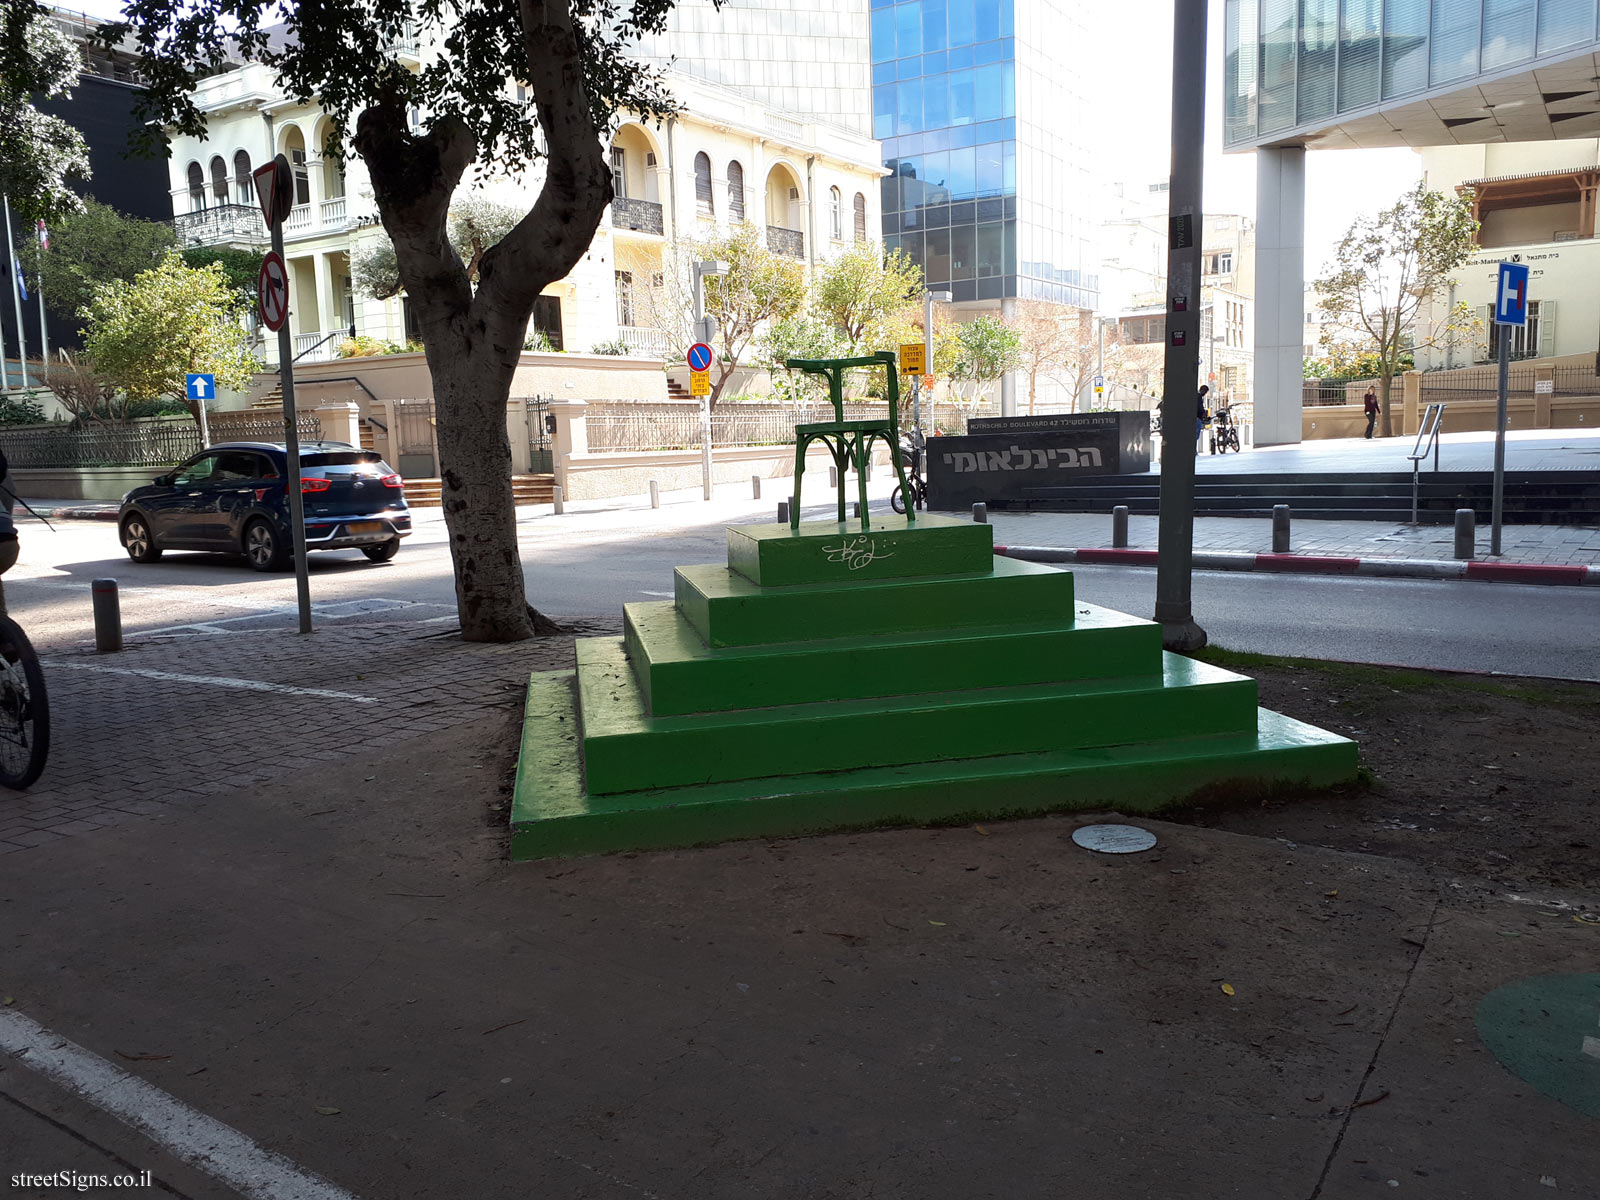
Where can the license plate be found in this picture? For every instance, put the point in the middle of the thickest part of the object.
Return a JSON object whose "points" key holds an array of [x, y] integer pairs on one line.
{"points": [[364, 527]]}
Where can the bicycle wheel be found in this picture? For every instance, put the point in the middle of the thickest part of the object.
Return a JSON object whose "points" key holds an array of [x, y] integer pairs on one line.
{"points": [[897, 501], [24, 709]]}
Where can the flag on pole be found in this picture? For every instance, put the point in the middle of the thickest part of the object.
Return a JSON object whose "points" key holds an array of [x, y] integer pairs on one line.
{"points": [[17, 263], [44, 236]]}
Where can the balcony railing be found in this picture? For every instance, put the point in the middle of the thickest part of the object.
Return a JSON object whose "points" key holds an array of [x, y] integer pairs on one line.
{"points": [[643, 216], [222, 224], [642, 341], [299, 219], [334, 212], [320, 346], [786, 241]]}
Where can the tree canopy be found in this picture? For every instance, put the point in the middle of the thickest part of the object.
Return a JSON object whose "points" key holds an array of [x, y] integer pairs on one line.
{"points": [[497, 86], [94, 246], [1387, 266], [862, 290], [989, 348], [147, 334], [39, 154]]}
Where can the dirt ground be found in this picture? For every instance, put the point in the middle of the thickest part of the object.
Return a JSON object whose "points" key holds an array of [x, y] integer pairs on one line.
{"points": [[1492, 777]]}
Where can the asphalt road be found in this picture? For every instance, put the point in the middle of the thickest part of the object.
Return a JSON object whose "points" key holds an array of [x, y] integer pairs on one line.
{"points": [[591, 563]]}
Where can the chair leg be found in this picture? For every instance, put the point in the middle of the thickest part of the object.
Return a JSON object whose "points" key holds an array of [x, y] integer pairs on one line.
{"points": [[863, 453], [841, 462], [799, 470]]}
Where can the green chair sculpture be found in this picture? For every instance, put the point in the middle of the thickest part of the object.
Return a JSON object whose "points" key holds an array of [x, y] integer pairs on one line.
{"points": [[849, 442]]}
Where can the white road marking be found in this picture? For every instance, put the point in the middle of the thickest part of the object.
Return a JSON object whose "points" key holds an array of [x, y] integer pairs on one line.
{"points": [[251, 685], [194, 1138], [1591, 1047]]}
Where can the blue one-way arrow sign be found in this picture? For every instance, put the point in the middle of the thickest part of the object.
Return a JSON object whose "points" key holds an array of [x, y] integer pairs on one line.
{"points": [[1511, 295], [201, 387]]}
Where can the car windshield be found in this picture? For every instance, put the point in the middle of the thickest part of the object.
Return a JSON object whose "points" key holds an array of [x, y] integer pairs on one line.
{"points": [[332, 463]]}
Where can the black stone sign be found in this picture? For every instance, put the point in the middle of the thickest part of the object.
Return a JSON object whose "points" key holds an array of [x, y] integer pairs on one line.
{"points": [[1001, 458]]}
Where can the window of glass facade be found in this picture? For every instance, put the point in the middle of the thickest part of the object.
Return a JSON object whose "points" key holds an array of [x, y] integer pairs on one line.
{"points": [[1359, 54], [1290, 64], [1454, 43], [1405, 51]]}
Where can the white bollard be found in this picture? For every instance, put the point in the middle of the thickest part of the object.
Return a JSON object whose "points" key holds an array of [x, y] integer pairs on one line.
{"points": [[755, 487], [560, 500], [655, 494]]}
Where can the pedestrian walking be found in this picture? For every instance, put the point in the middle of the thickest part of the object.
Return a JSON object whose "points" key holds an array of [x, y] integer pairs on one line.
{"points": [[1370, 406], [1201, 416]]}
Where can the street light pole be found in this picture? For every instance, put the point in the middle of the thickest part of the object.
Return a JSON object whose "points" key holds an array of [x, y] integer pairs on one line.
{"points": [[704, 330], [1175, 560]]}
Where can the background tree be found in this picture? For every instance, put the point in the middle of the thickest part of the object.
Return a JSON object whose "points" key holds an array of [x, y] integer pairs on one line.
{"points": [[1388, 266], [475, 224], [572, 61], [83, 391], [800, 336], [239, 267], [94, 246], [1063, 345], [989, 349], [146, 335], [38, 154], [862, 290], [760, 287]]}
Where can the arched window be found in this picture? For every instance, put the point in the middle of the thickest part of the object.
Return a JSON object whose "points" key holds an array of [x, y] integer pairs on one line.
{"points": [[197, 188], [861, 217], [735, 192], [243, 187], [835, 215], [702, 185], [219, 179]]}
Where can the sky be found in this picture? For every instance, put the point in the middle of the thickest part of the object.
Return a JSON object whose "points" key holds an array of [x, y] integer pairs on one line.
{"points": [[1340, 184], [1135, 66]]}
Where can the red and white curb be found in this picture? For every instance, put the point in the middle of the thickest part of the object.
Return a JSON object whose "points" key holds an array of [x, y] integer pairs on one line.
{"points": [[1320, 564]]}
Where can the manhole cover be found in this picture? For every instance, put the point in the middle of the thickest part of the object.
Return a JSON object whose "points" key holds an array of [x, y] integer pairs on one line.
{"points": [[1114, 839]]}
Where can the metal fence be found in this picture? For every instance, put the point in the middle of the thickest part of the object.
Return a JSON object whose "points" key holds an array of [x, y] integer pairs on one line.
{"points": [[161, 442], [623, 428], [1577, 379]]}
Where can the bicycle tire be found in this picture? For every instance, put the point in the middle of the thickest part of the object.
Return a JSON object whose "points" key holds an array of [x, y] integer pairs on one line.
{"points": [[24, 709], [897, 501]]}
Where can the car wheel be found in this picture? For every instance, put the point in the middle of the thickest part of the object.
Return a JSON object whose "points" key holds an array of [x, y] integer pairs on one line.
{"points": [[383, 551], [139, 541], [263, 547]]}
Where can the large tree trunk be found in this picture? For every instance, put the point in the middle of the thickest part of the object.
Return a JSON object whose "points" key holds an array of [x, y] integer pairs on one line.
{"points": [[471, 384]]}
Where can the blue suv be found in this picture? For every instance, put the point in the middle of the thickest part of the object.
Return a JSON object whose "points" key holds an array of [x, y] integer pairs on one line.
{"points": [[233, 498]]}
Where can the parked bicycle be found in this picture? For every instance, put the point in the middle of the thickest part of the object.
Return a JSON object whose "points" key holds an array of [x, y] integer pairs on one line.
{"points": [[24, 708], [911, 457], [1224, 431]]}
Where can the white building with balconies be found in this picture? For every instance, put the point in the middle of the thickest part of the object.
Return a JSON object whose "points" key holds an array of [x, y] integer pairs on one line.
{"points": [[725, 159]]}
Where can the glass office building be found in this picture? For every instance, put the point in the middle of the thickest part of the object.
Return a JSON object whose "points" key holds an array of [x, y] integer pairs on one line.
{"points": [[1293, 66], [989, 187]]}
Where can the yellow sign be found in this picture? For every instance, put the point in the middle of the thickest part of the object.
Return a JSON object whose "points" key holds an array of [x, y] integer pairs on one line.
{"points": [[913, 358], [699, 383]]}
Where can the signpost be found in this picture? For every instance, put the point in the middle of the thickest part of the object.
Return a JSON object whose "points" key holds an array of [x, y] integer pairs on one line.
{"points": [[275, 193], [699, 358], [200, 388], [1510, 308]]}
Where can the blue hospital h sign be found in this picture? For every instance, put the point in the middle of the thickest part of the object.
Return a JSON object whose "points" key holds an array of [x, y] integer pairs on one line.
{"points": [[1511, 296]]}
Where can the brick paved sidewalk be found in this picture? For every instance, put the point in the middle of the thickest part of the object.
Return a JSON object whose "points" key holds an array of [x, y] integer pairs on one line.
{"points": [[129, 740]]}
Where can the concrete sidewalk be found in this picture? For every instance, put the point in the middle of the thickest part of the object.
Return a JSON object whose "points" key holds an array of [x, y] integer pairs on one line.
{"points": [[341, 966]]}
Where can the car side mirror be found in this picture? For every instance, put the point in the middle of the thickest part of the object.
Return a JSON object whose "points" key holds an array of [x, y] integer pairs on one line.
{"points": [[162, 480]]}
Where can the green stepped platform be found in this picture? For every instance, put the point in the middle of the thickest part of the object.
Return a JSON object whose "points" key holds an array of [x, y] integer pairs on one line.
{"points": [[833, 677]]}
